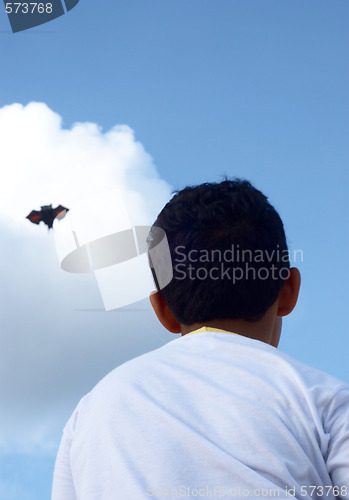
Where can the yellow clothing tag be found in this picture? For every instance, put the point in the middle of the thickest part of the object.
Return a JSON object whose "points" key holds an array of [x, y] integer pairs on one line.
{"points": [[209, 329]]}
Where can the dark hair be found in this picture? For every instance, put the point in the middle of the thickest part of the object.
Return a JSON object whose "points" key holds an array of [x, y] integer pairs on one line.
{"points": [[211, 222]]}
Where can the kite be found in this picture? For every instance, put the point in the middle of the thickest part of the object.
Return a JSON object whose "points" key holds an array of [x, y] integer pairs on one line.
{"points": [[47, 215]]}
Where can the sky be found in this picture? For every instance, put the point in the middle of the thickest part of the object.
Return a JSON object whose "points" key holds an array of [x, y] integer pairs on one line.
{"points": [[150, 97]]}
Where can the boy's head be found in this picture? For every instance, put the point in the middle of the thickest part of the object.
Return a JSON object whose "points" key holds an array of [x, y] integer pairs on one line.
{"points": [[228, 250]]}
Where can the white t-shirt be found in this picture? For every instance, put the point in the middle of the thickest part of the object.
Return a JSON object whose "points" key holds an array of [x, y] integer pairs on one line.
{"points": [[208, 415]]}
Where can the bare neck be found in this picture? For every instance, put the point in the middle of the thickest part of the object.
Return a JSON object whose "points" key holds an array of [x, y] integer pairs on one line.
{"points": [[266, 330]]}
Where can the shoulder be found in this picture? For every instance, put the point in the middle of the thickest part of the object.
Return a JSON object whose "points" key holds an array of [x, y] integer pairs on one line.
{"points": [[257, 360], [127, 377], [215, 358]]}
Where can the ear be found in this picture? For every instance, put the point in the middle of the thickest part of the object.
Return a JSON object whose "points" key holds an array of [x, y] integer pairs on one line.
{"points": [[164, 313], [288, 295]]}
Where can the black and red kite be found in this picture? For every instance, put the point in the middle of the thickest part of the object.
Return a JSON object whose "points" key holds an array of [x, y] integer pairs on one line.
{"points": [[47, 215]]}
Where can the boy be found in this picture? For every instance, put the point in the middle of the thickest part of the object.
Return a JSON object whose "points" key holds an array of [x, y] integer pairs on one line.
{"points": [[218, 412]]}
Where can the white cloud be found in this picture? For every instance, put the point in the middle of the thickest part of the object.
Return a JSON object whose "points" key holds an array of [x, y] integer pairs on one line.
{"points": [[56, 341], [41, 163]]}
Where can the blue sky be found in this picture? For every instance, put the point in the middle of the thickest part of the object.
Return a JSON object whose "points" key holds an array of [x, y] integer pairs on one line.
{"points": [[255, 89]]}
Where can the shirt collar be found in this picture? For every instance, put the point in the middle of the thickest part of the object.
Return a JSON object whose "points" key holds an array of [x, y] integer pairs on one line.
{"points": [[209, 329]]}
